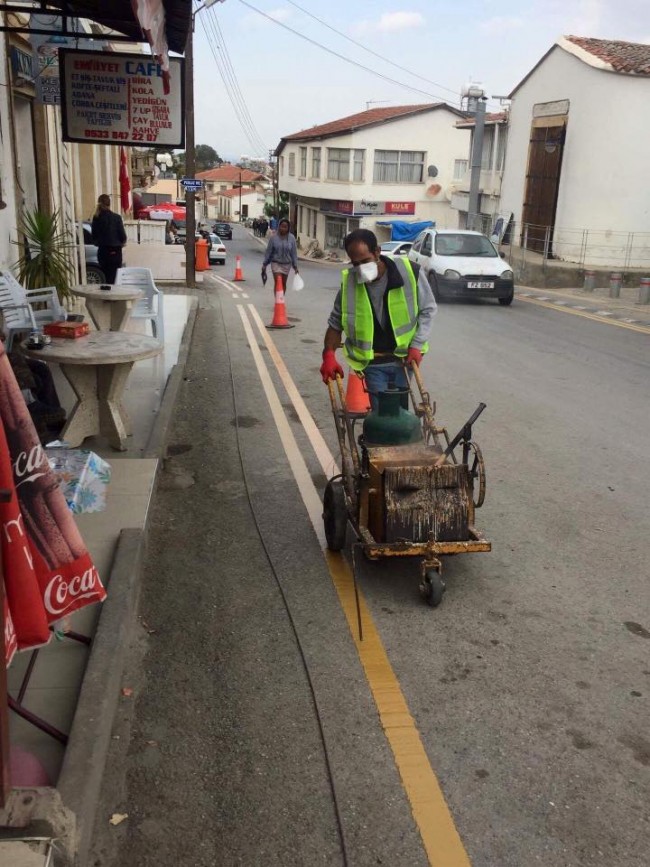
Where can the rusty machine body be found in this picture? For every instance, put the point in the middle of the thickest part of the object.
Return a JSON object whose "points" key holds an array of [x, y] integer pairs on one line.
{"points": [[414, 500]]}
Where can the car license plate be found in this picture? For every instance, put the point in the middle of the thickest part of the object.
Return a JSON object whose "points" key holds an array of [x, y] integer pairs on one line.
{"points": [[479, 284]]}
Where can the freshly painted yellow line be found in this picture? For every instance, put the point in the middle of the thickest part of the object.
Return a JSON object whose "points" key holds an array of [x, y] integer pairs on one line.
{"points": [[435, 824], [642, 329]]}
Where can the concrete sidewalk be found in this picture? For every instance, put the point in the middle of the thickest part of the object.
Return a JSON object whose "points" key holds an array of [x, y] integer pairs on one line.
{"points": [[56, 686]]}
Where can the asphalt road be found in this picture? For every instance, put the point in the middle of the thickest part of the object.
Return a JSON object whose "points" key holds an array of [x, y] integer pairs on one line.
{"points": [[529, 686]]}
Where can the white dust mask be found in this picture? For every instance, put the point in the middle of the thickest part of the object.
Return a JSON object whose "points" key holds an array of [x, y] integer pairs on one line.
{"points": [[367, 272]]}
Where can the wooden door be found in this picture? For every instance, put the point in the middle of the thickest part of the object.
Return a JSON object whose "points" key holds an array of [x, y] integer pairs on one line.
{"points": [[542, 185]]}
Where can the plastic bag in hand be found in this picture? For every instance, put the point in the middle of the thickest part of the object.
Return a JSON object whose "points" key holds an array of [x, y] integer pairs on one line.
{"points": [[298, 283]]}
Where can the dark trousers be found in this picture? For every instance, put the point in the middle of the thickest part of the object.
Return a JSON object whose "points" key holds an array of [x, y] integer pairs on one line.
{"points": [[110, 259]]}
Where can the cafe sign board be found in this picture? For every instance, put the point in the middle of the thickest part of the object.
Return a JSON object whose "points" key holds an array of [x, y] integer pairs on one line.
{"points": [[109, 98]]}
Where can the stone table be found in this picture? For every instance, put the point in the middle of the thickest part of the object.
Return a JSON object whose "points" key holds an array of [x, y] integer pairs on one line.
{"points": [[98, 367], [110, 309]]}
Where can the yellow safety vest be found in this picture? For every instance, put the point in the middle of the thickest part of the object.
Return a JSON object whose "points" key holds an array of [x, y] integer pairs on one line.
{"points": [[358, 320]]}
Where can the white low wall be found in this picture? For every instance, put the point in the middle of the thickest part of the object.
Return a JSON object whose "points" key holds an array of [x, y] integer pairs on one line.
{"points": [[145, 231], [167, 261]]}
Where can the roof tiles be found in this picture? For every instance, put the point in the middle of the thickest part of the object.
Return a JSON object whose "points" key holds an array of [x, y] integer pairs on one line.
{"points": [[363, 118], [632, 58]]}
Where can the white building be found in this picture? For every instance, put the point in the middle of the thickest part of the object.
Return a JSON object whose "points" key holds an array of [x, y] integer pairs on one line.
{"points": [[576, 166], [236, 204], [384, 163], [492, 163]]}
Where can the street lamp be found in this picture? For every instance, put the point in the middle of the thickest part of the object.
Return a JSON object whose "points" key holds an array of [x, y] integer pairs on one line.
{"points": [[190, 153]]}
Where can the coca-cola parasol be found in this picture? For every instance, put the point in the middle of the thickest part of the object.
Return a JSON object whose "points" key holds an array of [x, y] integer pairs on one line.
{"points": [[48, 572], [163, 211]]}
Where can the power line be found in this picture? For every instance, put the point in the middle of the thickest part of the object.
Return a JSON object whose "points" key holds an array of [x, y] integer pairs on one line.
{"points": [[232, 87], [342, 56], [235, 82], [236, 100], [370, 51]]}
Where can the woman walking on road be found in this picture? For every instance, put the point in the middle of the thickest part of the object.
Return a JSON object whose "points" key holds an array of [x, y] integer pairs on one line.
{"points": [[282, 253]]}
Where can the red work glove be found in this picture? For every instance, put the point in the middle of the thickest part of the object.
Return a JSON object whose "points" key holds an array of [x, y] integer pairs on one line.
{"points": [[414, 355], [330, 368]]}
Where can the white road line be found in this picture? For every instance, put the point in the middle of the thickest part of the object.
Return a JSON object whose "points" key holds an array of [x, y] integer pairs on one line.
{"points": [[324, 455], [604, 313]]}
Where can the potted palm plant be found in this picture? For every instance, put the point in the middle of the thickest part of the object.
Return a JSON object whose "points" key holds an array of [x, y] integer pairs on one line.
{"points": [[47, 255]]}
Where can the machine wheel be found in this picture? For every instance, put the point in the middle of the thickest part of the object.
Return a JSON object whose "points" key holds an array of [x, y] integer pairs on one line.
{"points": [[507, 301], [476, 469], [435, 588], [335, 514]]}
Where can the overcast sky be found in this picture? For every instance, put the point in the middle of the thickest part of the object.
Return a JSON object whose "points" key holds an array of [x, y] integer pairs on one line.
{"points": [[289, 85]]}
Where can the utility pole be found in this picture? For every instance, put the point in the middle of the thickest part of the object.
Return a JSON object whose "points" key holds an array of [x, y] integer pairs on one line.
{"points": [[240, 214], [190, 161], [476, 100]]}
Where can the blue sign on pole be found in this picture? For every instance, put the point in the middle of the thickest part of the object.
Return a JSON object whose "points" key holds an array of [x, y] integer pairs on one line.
{"points": [[192, 184]]}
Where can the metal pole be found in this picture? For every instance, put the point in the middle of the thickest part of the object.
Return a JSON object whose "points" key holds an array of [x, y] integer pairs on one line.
{"points": [[240, 214], [473, 207], [190, 160]]}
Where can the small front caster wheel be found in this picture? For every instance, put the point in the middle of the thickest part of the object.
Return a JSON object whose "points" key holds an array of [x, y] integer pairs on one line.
{"points": [[435, 588], [335, 514]]}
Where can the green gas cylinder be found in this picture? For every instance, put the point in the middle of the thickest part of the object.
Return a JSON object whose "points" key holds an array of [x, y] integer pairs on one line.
{"points": [[391, 424]]}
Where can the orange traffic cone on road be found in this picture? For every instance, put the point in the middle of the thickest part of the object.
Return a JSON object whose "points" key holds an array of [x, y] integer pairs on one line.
{"points": [[280, 310], [239, 277], [357, 398]]}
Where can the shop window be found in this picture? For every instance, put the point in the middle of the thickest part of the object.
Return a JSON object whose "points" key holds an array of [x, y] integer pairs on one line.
{"points": [[315, 163], [335, 232], [460, 169], [338, 164], [358, 164], [403, 167]]}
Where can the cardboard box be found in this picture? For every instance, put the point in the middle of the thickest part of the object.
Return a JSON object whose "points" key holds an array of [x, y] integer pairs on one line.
{"points": [[66, 329]]}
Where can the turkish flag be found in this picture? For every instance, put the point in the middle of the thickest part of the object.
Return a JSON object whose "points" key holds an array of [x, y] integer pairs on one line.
{"points": [[125, 182]]}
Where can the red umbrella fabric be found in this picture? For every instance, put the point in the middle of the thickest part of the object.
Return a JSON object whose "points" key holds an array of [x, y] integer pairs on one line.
{"points": [[125, 182], [163, 211]]}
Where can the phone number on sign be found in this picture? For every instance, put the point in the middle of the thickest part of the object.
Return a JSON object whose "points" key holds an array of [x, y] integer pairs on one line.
{"points": [[136, 135]]}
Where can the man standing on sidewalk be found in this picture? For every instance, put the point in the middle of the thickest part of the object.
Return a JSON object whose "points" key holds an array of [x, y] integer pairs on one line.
{"points": [[385, 307], [109, 237]]}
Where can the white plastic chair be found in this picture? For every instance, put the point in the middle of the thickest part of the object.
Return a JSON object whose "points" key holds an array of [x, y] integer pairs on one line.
{"points": [[151, 305], [18, 313]]}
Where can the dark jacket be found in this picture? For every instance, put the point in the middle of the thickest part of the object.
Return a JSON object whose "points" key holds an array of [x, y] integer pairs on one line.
{"points": [[108, 230]]}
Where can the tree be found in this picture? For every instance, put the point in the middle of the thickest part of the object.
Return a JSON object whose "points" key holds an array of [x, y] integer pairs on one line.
{"points": [[283, 207], [206, 158]]}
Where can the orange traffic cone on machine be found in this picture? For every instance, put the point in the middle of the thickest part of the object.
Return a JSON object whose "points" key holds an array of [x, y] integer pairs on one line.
{"points": [[239, 277], [357, 398], [280, 310]]}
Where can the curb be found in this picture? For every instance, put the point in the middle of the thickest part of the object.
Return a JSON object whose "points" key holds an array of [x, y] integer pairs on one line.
{"points": [[618, 308], [82, 772], [157, 442]]}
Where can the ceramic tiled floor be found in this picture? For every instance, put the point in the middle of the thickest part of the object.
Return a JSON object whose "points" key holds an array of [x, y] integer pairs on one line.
{"points": [[58, 672]]}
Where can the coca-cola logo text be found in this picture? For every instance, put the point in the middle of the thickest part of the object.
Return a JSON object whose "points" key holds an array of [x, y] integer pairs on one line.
{"points": [[60, 594], [27, 463]]}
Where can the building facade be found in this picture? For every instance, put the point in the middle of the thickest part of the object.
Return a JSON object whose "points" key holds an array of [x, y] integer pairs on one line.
{"points": [[370, 168], [577, 154]]}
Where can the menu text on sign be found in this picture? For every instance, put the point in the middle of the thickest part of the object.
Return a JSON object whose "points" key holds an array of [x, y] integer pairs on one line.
{"points": [[120, 99]]}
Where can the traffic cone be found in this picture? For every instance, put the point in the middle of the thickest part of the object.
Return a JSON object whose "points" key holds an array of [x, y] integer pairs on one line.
{"points": [[239, 277], [357, 398], [280, 310]]}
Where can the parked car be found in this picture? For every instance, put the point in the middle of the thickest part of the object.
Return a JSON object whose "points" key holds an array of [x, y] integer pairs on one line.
{"points": [[94, 273], [217, 252], [463, 264], [223, 230], [396, 248]]}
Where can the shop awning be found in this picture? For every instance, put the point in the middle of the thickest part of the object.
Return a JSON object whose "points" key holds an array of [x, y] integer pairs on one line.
{"points": [[129, 18]]}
